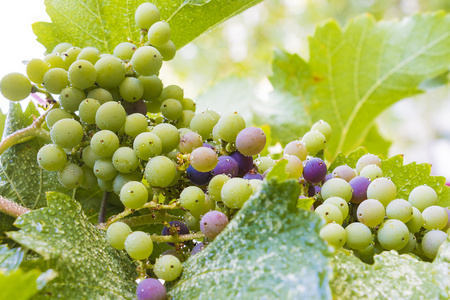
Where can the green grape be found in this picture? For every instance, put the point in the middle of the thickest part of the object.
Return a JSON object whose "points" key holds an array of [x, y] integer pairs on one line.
{"points": [[110, 71], [124, 50], [131, 89], [189, 104], [110, 116], [82, 74], [167, 267], [216, 116], [431, 242], [89, 157], [416, 222], [101, 95], [189, 142], [71, 176], [314, 141], [125, 160], [55, 115], [87, 110], [264, 163], [297, 148], [337, 187], [135, 124], [203, 159], [193, 199], [371, 212], [256, 185], [366, 160], [54, 61], [67, 133], [203, 124], [90, 54], [422, 197], [147, 145], [133, 194], [393, 235], [115, 94], [61, 47], [123, 178], [146, 15], [154, 107], [106, 185], [322, 127], [146, 61], [70, 98], [235, 192], [89, 180], [104, 143], [340, 203], [229, 126], [153, 87], [192, 222], [183, 131], [172, 92], [51, 157], [382, 189], [215, 186], [15, 86], [366, 254], [55, 80], [171, 109], [169, 136], [159, 33], [160, 171], [330, 213], [434, 217], [334, 234], [168, 50], [185, 119], [359, 236], [117, 233], [372, 172], [104, 169], [36, 69], [399, 209], [294, 167], [138, 245], [70, 56], [412, 242]]}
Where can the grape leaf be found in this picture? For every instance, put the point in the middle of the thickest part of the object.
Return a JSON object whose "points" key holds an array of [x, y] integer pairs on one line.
{"points": [[356, 72], [104, 24], [10, 259], [269, 250], [392, 276], [18, 285], [88, 267]]}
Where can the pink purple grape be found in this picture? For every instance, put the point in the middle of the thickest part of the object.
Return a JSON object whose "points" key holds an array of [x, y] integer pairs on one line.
{"points": [[252, 174], [151, 289], [315, 170], [251, 141], [245, 163], [197, 177], [226, 165], [213, 223], [359, 185]]}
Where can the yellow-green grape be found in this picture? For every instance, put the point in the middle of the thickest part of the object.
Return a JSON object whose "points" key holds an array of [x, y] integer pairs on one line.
{"points": [[15, 86], [171, 109], [416, 222], [147, 145], [336, 187], [135, 124], [366, 160], [399, 209], [104, 143], [89, 157], [67, 133], [382, 189], [235, 192], [359, 236], [431, 242], [372, 172], [146, 61], [159, 33], [87, 110], [422, 197], [412, 242], [393, 234], [133, 194], [203, 159], [256, 185], [54, 60], [322, 127], [203, 123], [125, 160], [117, 233], [110, 71], [264, 163], [124, 50], [185, 119], [172, 92], [169, 136], [167, 267], [294, 167], [160, 171], [61, 47], [106, 185], [36, 69], [55, 80], [104, 169], [70, 56], [52, 157], [229, 126], [189, 104], [55, 115], [330, 213], [131, 89], [101, 95], [153, 87], [82, 74], [314, 141], [193, 199], [138, 245], [434, 217], [123, 178], [90, 54], [89, 180], [297, 148], [71, 176], [70, 98], [371, 212], [146, 14], [215, 186], [110, 116], [168, 50], [334, 234], [340, 203]]}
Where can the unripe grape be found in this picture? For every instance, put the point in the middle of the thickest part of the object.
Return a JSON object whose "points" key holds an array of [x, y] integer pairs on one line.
{"points": [[399, 209], [334, 234], [159, 33], [151, 289], [235, 192], [422, 197], [139, 245], [367, 159], [322, 127], [133, 194], [371, 212], [146, 15], [340, 203], [382, 189], [336, 187], [52, 157], [117, 233], [67, 133], [330, 213], [167, 267], [36, 69], [146, 60], [203, 159], [314, 141], [431, 242], [359, 236], [393, 235], [434, 217], [294, 167]]}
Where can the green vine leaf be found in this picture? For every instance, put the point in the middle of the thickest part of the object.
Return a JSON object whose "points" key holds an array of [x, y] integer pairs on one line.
{"points": [[10, 259], [356, 72], [88, 267], [270, 250], [19, 285], [104, 24]]}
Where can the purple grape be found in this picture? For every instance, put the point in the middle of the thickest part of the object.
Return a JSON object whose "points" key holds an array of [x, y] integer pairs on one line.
{"points": [[245, 163], [313, 190], [151, 289], [197, 248], [198, 178], [213, 223], [251, 141], [315, 170], [226, 165], [180, 227], [359, 185], [253, 174], [327, 177], [135, 107], [209, 146]]}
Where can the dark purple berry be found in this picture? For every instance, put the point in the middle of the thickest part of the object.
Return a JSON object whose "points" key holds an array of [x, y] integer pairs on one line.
{"points": [[253, 174], [135, 107], [359, 185], [226, 165], [315, 170], [180, 227], [245, 163], [198, 178], [197, 248]]}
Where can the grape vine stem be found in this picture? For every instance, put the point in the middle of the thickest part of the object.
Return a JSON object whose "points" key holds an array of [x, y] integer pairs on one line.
{"points": [[177, 239], [12, 209]]}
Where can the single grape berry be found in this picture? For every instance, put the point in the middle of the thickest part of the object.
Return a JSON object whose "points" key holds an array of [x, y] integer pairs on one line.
{"points": [[15, 86], [151, 289], [251, 141], [213, 223], [315, 170]]}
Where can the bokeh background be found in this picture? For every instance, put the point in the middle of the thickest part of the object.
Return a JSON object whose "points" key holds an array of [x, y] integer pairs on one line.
{"points": [[240, 52]]}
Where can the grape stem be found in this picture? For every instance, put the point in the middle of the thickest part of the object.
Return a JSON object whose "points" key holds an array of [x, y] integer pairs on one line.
{"points": [[177, 239], [156, 218], [12, 209], [23, 135]]}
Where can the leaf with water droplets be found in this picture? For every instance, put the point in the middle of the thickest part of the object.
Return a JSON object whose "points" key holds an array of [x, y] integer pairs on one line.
{"points": [[88, 267], [10, 259], [270, 250]]}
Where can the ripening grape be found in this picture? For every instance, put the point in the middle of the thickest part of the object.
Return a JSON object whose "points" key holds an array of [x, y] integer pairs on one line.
{"points": [[117, 233], [203, 159], [138, 245], [359, 186], [294, 167], [213, 223], [251, 141], [365, 160], [297, 148], [226, 165], [150, 288], [315, 170], [167, 267], [189, 142], [245, 163], [344, 172], [51, 157]]}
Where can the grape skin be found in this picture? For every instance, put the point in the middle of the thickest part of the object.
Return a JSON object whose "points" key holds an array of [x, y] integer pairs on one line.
{"points": [[203, 159], [15, 86], [213, 223], [251, 141], [117, 233], [167, 267], [51, 157], [138, 245]]}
